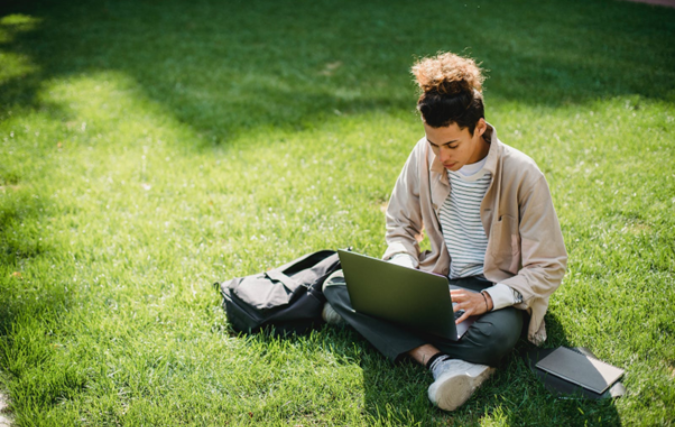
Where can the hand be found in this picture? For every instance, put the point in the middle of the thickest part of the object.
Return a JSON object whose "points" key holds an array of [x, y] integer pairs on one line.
{"points": [[472, 303]]}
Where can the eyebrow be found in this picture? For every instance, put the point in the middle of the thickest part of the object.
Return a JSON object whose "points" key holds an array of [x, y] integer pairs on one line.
{"points": [[440, 145]]}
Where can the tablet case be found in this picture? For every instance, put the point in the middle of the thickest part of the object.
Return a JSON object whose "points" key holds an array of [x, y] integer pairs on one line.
{"points": [[585, 371], [562, 387]]}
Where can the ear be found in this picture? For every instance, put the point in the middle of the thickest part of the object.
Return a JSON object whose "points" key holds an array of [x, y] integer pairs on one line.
{"points": [[480, 128]]}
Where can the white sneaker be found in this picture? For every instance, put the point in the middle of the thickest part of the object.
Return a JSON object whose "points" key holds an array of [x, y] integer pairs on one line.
{"points": [[328, 313], [456, 383], [331, 316]]}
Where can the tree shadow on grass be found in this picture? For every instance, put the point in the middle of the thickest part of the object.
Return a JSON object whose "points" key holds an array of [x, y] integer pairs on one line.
{"points": [[224, 69]]}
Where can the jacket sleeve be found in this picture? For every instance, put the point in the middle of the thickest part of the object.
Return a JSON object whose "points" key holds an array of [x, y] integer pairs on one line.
{"points": [[404, 216]]}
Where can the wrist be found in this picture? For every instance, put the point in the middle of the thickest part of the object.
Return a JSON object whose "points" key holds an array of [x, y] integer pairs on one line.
{"points": [[489, 304]]}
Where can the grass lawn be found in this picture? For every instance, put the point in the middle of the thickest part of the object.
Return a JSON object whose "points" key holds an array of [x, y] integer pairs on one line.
{"points": [[148, 149]]}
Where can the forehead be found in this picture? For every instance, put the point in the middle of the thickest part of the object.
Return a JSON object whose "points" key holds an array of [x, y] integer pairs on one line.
{"points": [[445, 134]]}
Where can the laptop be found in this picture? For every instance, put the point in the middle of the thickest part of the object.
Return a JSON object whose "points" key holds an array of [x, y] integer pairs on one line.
{"points": [[412, 298]]}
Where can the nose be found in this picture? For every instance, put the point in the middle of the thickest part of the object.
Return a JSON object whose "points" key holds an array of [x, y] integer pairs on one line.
{"points": [[445, 155]]}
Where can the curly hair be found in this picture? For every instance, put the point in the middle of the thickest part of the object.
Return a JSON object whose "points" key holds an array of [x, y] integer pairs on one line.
{"points": [[451, 90]]}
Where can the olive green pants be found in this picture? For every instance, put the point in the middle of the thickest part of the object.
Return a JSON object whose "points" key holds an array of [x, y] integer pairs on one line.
{"points": [[489, 339]]}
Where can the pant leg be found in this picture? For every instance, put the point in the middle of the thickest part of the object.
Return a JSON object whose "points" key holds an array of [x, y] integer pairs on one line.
{"points": [[388, 338], [489, 339]]}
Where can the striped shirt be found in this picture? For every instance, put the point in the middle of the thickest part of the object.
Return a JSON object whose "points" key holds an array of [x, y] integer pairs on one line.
{"points": [[460, 220]]}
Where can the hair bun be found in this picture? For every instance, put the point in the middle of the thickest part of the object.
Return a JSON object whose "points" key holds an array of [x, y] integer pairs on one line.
{"points": [[448, 73]]}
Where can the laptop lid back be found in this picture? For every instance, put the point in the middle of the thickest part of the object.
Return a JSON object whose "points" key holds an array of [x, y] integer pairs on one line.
{"points": [[412, 298]]}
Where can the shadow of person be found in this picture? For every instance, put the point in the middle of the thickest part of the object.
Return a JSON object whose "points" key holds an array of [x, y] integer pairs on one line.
{"points": [[396, 393], [518, 395]]}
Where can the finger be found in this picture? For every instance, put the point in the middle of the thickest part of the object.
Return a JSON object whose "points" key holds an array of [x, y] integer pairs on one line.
{"points": [[458, 296], [462, 318]]}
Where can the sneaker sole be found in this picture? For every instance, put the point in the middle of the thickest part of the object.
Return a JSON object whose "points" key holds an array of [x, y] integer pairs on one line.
{"points": [[456, 390]]}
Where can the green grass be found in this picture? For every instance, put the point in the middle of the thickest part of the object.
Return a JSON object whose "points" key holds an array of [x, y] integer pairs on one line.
{"points": [[148, 149]]}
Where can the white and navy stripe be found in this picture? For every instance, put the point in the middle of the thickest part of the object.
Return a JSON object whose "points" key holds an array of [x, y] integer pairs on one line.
{"points": [[462, 228]]}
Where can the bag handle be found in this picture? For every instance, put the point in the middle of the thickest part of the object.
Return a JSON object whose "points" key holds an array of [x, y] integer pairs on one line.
{"points": [[289, 283]]}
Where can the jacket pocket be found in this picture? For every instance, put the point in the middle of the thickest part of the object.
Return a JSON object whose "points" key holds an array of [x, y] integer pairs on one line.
{"points": [[504, 244]]}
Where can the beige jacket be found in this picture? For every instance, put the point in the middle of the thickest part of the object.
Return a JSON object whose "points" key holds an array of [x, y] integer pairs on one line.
{"points": [[525, 245]]}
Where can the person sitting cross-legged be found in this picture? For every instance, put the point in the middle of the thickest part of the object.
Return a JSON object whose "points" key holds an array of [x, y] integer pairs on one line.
{"points": [[487, 211]]}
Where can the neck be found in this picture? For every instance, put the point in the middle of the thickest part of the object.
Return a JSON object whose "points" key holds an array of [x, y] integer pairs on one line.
{"points": [[481, 151]]}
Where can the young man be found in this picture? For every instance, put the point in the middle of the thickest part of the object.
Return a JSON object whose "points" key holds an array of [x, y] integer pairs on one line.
{"points": [[488, 213]]}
